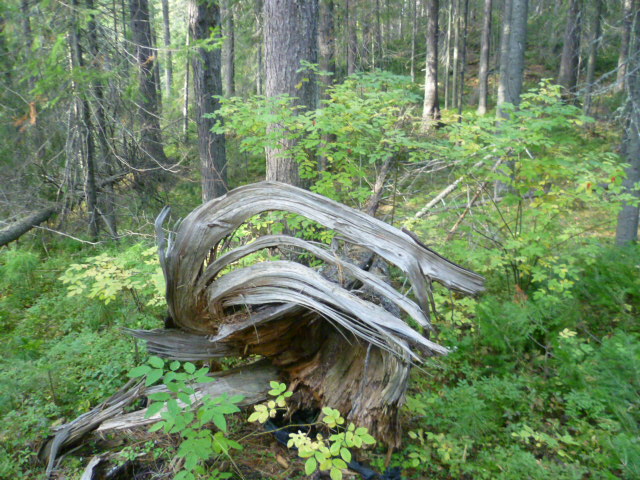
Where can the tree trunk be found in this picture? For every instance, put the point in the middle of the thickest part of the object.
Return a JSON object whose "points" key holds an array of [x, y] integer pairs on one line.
{"points": [[19, 228], [343, 340], [327, 61], [156, 64], [627, 21], [229, 50], [326, 43], [168, 68], [290, 38], [456, 54], [185, 94], [431, 106], [593, 55], [207, 83], [568, 75], [483, 75], [512, 47], [104, 166], [627, 229], [84, 150], [414, 31], [378, 50], [151, 146], [28, 34], [259, 39], [463, 57], [351, 14], [447, 60]]}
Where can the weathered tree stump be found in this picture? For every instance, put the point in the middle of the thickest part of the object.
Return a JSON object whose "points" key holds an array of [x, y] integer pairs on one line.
{"points": [[336, 333]]}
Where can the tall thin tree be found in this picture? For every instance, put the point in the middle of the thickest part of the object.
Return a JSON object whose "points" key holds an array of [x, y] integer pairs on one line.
{"points": [[568, 75], [168, 64], [431, 105], [351, 14], [627, 21], [151, 147], [290, 39], [464, 19], [204, 19], [627, 228], [512, 48], [326, 43], [593, 54], [483, 74], [229, 52]]}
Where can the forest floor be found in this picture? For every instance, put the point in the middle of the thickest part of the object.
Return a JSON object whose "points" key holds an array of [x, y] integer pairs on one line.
{"points": [[543, 381]]}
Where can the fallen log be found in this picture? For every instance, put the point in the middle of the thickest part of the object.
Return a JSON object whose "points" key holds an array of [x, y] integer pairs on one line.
{"points": [[15, 230], [344, 351], [333, 345]]}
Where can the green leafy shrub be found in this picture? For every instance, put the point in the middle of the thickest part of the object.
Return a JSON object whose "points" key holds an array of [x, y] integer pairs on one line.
{"points": [[330, 452], [185, 414], [367, 120], [136, 271]]}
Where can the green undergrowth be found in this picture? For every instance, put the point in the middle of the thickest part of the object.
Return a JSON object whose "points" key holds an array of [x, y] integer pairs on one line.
{"points": [[533, 389], [543, 379], [63, 354]]}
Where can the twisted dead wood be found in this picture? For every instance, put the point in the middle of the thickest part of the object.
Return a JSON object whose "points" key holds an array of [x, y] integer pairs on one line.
{"points": [[337, 335]]}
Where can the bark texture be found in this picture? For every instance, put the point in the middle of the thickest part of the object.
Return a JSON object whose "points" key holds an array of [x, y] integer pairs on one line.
{"points": [[334, 347], [568, 75], [229, 50], [485, 47], [593, 56], [627, 229], [207, 83], [512, 47], [326, 43], [83, 147], [17, 229], [290, 38], [431, 106], [625, 35], [334, 334], [151, 147], [351, 15], [168, 68]]}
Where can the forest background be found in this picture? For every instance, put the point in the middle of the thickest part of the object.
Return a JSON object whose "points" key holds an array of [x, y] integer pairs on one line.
{"points": [[504, 133]]}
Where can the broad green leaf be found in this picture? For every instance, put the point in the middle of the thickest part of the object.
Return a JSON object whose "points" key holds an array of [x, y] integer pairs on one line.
{"points": [[220, 422], [310, 466], [345, 454], [153, 376], [254, 417], [155, 427], [189, 367], [156, 362], [139, 371], [159, 396], [153, 409], [338, 463]]}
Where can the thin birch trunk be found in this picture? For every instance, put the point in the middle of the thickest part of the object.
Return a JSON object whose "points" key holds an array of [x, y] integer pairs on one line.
{"points": [[463, 57], [168, 67], [627, 21], [431, 106], [483, 75], [593, 55]]}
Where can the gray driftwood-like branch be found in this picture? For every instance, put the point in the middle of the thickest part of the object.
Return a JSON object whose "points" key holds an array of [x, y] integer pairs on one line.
{"points": [[15, 230], [338, 334]]}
